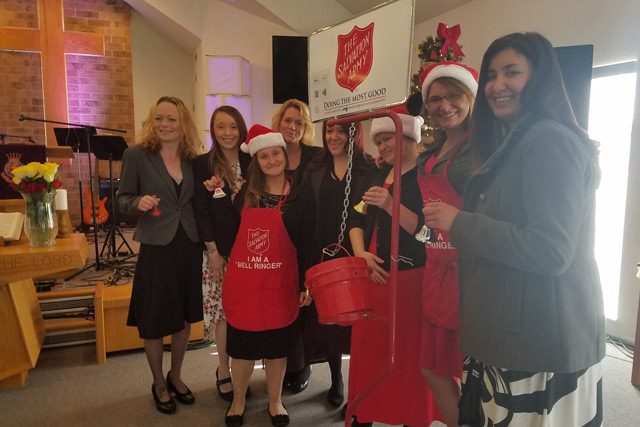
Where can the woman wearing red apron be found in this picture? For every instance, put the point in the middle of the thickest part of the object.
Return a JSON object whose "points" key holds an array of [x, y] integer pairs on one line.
{"points": [[448, 91], [261, 295], [403, 397]]}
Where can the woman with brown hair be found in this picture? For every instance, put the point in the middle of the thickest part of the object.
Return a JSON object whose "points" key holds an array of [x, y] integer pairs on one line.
{"points": [[157, 186]]}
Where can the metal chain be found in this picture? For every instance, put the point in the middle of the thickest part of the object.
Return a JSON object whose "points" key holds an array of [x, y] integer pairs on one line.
{"points": [[347, 189]]}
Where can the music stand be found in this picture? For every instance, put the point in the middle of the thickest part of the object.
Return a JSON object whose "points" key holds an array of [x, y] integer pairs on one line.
{"points": [[111, 147], [76, 139]]}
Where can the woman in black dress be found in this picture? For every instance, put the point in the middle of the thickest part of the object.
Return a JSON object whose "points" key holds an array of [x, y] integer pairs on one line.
{"points": [[157, 186], [326, 176]]}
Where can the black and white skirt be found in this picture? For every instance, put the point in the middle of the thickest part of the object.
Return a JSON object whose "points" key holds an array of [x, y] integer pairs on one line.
{"points": [[501, 397]]}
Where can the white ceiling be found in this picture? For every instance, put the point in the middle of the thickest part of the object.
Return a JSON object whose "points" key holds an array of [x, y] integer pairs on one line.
{"points": [[307, 16]]}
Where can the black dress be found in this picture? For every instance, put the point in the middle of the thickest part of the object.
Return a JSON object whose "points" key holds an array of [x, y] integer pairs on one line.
{"points": [[167, 286]]}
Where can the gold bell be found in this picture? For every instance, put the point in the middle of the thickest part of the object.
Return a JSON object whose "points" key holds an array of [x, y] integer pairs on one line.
{"points": [[361, 207]]}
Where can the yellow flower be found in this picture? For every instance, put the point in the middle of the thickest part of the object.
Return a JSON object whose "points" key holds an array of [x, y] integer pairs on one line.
{"points": [[49, 171]]}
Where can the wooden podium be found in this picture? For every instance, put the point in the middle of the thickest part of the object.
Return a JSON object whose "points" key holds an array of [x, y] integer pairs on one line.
{"points": [[21, 325]]}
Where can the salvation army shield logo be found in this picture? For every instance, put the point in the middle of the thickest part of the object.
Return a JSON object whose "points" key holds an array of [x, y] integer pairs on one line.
{"points": [[355, 57], [258, 240]]}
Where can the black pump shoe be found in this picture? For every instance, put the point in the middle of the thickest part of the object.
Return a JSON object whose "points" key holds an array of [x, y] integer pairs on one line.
{"points": [[233, 420], [280, 420], [335, 396], [164, 407], [186, 398]]}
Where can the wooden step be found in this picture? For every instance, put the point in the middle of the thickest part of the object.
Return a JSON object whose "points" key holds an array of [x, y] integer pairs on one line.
{"points": [[66, 293], [55, 325]]}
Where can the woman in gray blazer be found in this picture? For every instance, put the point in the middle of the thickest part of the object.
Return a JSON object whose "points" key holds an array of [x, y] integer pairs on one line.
{"points": [[157, 186], [532, 317]]}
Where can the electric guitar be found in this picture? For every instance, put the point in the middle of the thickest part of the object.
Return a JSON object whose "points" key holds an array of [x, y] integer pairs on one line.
{"points": [[90, 209]]}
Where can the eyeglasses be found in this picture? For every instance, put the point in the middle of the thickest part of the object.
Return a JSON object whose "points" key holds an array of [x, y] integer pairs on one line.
{"points": [[432, 101]]}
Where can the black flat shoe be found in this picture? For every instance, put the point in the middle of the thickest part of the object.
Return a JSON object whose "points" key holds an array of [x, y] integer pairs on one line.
{"points": [[164, 407], [224, 395], [296, 387], [279, 420], [233, 420], [186, 398], [335, 396]]}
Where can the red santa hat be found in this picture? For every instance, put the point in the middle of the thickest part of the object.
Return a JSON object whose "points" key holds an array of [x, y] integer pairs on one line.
{"points": [[410, 126], [465, 75], [260, 137]]}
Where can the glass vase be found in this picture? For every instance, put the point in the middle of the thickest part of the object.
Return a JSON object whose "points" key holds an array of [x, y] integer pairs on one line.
{"points": [[40, 220]]}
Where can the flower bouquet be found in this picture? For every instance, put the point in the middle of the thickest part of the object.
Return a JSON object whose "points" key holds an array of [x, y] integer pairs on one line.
{"points": [[37, 184]]}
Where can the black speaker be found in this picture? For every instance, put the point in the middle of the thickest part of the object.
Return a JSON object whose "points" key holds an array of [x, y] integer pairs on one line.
{"points": [[289, 65], [105, 191], [576, 63]]}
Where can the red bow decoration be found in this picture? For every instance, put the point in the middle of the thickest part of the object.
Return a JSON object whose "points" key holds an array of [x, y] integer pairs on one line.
{"points": [[450, 36]]}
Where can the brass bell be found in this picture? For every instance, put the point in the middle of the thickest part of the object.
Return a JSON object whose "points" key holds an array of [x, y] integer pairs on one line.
{"points": [[361, 207]]}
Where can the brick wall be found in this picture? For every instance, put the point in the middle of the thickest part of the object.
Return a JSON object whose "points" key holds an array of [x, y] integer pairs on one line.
{"points": [[99, 88]]}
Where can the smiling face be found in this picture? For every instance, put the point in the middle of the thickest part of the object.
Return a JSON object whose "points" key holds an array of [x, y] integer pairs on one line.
{"points": [[385, 142], [507, 75], [166, 123], [291, 126], [272, 161], [336, 139], [447, 106], [226, 131]]}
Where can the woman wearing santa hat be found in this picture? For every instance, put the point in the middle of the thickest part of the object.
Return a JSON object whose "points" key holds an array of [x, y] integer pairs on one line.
{"points": [[448, 92], [263, 287], [403, 397]]}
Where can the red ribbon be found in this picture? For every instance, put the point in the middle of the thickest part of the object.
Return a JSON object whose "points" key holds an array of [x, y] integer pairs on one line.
{"points": [[450, 36]]}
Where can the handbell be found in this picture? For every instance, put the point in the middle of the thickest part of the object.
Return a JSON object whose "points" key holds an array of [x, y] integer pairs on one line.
{"points": [[424, 235], [361, 207], [219, 193]]}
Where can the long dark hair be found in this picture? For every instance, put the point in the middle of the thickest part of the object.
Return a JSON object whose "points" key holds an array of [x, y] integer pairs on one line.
{"points": [[218, 163], [358, 151], [544, 95]]}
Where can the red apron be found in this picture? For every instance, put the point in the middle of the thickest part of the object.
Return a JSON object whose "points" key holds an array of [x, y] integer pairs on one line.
{"points": [[261, 287], [440, 303]]}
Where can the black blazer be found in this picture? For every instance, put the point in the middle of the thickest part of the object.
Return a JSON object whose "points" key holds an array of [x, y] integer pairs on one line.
{"points": [[212, 215], [144, 173], [410, 198]]}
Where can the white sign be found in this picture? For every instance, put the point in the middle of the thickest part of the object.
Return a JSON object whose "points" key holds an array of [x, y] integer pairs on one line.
{"points": [[362, 64]]}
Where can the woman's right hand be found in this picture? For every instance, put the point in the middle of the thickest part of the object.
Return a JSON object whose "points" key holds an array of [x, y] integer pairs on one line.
{"points": [[212, 183], [378, 274], [147, 203]]}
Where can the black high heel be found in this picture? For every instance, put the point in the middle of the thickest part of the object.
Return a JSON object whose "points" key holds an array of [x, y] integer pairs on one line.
{"points": [[279, 420], [164, 407], [186, 398], [335, 396], [233, 420]]}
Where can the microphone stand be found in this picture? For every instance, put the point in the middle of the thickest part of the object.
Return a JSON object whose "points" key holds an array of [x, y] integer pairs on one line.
{"points": [[88, 131]]}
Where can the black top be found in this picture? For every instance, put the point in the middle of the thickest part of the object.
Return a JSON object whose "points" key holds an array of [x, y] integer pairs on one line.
{"points": [[209, 212], [306, 156], [298, 215], [411, 198], [329, 191]]}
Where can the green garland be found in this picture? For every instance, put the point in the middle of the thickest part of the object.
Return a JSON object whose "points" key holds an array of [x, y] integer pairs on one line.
{"points": [[430, 50]]}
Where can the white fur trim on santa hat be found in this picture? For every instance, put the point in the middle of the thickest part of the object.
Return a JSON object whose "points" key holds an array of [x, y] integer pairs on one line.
{"points": [[465, 75], [260, 137], [410, 126]]}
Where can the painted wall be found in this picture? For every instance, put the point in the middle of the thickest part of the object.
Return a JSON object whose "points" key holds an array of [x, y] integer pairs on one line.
{"points": [[159, 68], [612, 27]]}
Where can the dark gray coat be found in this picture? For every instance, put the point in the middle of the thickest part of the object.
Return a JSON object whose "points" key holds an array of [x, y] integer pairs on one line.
{"points": [[530, 291], [143, 172]]}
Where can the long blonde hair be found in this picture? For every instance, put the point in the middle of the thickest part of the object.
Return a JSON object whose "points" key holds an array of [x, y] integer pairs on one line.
{"points": [[309, 129], [189, 147]]}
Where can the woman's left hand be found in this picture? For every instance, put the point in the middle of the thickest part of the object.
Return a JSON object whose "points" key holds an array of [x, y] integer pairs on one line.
{"points": [[378, 196], [305, 298], [439, 215]]}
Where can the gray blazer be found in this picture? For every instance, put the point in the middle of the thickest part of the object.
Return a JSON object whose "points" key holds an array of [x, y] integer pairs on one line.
{"points": [[530, 296], [143, 172]]}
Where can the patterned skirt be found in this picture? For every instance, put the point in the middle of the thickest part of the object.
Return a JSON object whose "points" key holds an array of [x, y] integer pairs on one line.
{"points": [[501, 397], [211, 299]]}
